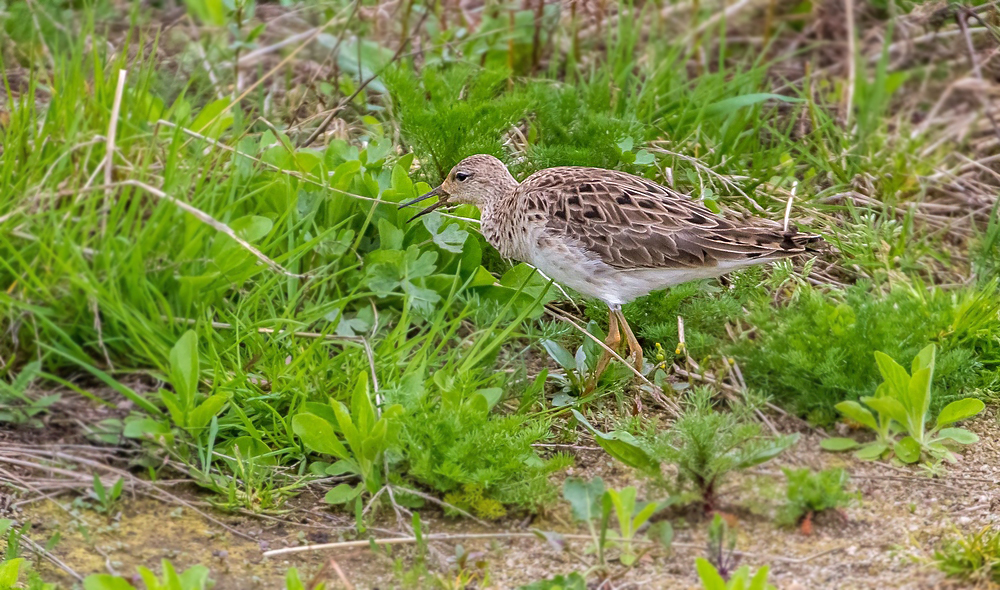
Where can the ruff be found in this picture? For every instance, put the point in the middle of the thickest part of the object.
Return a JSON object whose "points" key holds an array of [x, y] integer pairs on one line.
{"points": [[608, 234]]}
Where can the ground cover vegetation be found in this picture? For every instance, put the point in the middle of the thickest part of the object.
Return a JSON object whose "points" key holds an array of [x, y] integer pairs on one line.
{"points": [[200, 245]]}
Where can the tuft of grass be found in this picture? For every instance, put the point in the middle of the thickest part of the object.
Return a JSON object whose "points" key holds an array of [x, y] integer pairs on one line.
{"points": [[973, 557]]}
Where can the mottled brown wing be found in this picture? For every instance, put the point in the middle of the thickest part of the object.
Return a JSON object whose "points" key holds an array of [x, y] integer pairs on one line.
{"points": [[631, 222]]}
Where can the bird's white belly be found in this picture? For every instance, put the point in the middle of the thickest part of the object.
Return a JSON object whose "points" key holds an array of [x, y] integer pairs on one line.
{"points": [[585, 273]]}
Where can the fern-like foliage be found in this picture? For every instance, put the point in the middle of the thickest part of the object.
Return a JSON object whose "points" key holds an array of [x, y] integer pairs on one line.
{"points": [[450, 112], [480, 460], [707, 445], [812, 492], [816, 350]]}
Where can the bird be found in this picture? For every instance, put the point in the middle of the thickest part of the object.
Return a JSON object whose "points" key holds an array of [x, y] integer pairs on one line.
{"points": [[608, 234]]}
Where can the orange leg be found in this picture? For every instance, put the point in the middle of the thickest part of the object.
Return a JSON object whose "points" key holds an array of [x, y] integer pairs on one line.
{"points": [[633, 342], [613, 340]]}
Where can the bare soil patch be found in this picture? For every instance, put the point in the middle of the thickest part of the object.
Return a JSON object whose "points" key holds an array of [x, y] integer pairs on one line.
{"points": [[884, 540]]}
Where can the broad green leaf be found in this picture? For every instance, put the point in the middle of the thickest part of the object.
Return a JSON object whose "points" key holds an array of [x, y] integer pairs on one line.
{"points": [[292, 580], [419, 264], [907, 449], [390, 236], [170, 578], [959, 410], [149, 578], [174, 407], [733, 104], [624, 503], [351, 434], [324, 411], [858, 413], [362, 410], [195, 578], [924, 360], [644, 158], [212, 12], [307, 159], [559, 354], [888, 406], [318, 435], [9, 572], [621, 446], [919, 400], [492, 395], [202, 415], [184, 369], [584, 497], [645, 514], [450, 237], [145, 427], [211, 121], [97, 582], [770, 451], [252, 228], [249, 447], [342, 467], [402, 186], [382, 278], [342, 494], [759, 581], [838, 444], [872, 450], [893, 374], [959, 435], [710, 578]]}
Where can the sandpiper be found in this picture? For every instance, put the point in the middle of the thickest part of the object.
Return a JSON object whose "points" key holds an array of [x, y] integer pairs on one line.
{"points": [[608, 234]]}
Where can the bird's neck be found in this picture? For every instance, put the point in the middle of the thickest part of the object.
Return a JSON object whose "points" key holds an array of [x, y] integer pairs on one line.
{"points": [[502, 222]]}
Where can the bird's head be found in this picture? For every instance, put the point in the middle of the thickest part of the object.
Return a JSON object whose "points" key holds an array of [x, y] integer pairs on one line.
{"points": [[478, 180]]}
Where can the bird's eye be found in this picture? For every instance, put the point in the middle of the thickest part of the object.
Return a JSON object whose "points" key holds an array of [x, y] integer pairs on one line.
{"points": [[463, 176]]}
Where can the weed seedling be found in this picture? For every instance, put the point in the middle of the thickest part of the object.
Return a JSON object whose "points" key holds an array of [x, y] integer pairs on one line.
{"points": [[593, 505], [16, 406], [469, 570], [368, 436], [571, 581], [810, 493], [193, 578], [575, 379], [712, 579], [707, 445], [722, 548], [106, 498], [183, 403], [16, 571], [901, 405], [630, 516]]}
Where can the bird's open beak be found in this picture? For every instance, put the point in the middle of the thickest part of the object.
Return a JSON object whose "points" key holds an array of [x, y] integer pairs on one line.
{"points": [[438, 192]]}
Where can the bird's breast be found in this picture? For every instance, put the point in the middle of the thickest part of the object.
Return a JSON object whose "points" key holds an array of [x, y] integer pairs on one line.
{"points": [[510, 234]]}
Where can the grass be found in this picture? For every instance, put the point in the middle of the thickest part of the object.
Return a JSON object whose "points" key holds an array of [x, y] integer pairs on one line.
{"points": [[973, 557], [226, 279]]}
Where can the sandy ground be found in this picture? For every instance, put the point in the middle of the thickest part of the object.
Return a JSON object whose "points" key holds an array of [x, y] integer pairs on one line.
{"points": [[885, 541]]}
